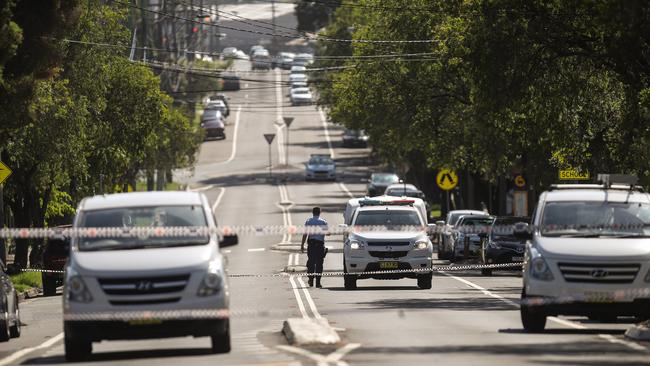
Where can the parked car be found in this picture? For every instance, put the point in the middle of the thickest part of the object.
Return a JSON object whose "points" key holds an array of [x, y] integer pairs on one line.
{"points": [[303, 59], [301, 96], [444, 247], [152, 286], [378, 183], [256, 48], [468, 233], [261, 60], [320, 167], [55, 256], [229, 53], [354, 138], [299, 84], [502, 245], [213, 124], [222, 97], [230, 82], [10, 323], [219, 106], [298, 69], [285, 59], [297, 78]]}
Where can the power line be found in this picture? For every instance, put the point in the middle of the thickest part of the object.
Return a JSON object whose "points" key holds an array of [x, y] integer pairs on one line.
{"points": [[314, 38]]}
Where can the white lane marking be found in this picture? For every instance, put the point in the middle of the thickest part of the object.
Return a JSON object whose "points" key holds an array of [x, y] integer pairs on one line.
{"points": [[256, 249], [246, 96], [310, 301], [24, 352], [234, 137], [246, 85], [334, 357], [218, 200], [345, 189], [327, 132], [568, 323], [296, 293], [284, 205], [296, 260], [278, 127], [200, 189]]}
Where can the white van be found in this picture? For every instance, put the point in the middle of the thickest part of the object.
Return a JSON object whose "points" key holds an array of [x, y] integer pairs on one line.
{"points": [[588, 253], [145, 286]]}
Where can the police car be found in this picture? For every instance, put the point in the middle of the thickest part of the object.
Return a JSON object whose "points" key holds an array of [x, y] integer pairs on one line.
{"points": [[588, 253], [401, 243]]}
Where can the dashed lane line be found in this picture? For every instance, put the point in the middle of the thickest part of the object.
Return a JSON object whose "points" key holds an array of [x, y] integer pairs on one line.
{"points": [[567, 323], [327, 132]]}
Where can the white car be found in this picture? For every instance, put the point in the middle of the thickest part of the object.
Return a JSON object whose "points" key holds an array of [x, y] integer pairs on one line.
{"points": [[299, 84], [297, 78], [298, 69], [588, 253], [405, 244], [145, 286], [301, 96]]}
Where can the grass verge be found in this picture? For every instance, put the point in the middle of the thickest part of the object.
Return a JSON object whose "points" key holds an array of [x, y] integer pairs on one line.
{"points": [[26, 280]]}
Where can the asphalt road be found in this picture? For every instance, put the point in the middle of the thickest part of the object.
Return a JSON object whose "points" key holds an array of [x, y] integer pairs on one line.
{"points": [[465, 319]]}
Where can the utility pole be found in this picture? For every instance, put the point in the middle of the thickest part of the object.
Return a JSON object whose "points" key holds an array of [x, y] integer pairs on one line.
{"points": [[274, 40], [144, 4]]}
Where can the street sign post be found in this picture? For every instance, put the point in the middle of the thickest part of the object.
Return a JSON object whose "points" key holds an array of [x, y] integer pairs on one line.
{"points": [[287, 122], [447, 180], [269, 139]]}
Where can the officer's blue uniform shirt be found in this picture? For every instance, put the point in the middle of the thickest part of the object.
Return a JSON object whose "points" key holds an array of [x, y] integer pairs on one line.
{"points": [[317, 221]]}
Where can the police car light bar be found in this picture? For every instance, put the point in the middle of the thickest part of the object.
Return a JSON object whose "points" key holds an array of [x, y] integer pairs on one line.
{"points": [[374, 202]]}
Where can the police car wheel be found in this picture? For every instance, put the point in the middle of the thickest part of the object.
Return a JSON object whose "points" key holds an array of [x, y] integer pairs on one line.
{"points": [[425, 281], [350, 282], [486, 271]]}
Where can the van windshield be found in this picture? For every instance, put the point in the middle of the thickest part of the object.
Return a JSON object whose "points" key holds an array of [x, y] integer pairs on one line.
{"points": [[594, 219], [388, 218], [143, 217]]}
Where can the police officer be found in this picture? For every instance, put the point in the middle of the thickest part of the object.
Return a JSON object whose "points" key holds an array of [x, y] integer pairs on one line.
{"points": [[316, 247]]}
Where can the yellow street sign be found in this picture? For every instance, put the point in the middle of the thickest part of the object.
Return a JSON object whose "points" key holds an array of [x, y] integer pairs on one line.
{"points": [[447, 179], [5, 172], [573, 174], [520, 181]]}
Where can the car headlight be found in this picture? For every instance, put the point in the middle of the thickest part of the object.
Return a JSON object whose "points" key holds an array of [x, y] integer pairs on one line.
{"points": [[355, 245], [212, 282], [421, 245], [540, 270], [75, 288]]}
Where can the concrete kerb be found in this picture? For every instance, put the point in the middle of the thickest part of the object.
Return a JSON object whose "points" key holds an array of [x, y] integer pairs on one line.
{"points": [[639, 332], [309, 332], [29, 294]]}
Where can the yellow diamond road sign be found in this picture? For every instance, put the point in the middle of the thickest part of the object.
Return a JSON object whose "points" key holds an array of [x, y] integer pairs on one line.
{"points": [[447, 179], [5, 172]]}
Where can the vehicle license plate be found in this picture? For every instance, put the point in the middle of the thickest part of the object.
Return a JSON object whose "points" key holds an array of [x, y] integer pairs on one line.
{"points": [[388, 265], [517, 259], [599, 297], [145, 322]]}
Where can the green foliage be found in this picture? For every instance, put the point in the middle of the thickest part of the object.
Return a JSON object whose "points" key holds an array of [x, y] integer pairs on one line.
{"points": [[27, 280], [313, 15], [530, 86]]}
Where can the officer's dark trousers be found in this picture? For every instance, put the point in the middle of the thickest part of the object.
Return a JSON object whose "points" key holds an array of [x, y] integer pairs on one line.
{"points": [[315, 258]]}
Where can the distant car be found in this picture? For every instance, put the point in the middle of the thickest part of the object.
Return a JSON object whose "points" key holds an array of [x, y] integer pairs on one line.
{"points": [[229, 52], [303, 59], [218, 105], [444, 240], [10, 322], [378, 183], [256, 48], [297, 78], [320, 167], [55, 255], [298, 69], [223, 98], [469, 230], [213, 124], [285, 59], [354, 138], [230, 82], [301, 96], [241, 55], [299, 84], [502, 245], [261, 60]]}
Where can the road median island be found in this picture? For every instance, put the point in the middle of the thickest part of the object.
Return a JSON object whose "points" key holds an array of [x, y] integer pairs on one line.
{"points": [[309, 332]]}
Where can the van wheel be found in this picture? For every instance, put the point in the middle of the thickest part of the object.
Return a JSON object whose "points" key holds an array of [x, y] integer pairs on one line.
{"points": [[486, 271], [4, 327], [533, 321], [15, 329], [221, 341], [76, 349], [425, 281]]}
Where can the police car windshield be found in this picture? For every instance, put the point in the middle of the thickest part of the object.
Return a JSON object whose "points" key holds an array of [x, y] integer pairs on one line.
{"points": [[142, 217], [595, 219], [388, 218]]}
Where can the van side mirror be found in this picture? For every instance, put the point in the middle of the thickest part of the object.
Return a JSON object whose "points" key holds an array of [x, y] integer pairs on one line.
{"points": [[522, 231], [229, 240]]}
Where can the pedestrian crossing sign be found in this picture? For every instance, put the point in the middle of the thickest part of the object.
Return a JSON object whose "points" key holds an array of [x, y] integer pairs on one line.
{"points": [[447, 179]]}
